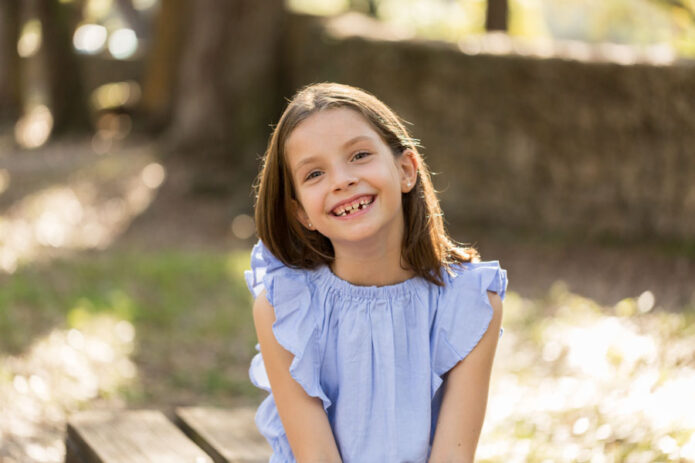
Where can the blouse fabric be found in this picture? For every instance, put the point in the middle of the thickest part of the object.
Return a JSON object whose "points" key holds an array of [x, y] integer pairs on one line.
{"points": [[374, 355]]}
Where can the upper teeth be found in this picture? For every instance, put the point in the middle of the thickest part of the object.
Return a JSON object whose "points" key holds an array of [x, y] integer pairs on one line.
{"points": [[353, 206]]}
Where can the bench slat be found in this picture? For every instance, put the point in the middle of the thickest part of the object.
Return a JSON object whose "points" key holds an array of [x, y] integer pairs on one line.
{"points": [[228, 435], [135, 436]]}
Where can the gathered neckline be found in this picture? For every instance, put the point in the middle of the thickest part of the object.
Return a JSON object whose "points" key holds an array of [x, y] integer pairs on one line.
{"points": [[403, 288]]}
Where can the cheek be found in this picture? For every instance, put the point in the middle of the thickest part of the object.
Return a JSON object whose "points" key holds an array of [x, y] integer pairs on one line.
{"points": [[312, 202], [392, 179]]}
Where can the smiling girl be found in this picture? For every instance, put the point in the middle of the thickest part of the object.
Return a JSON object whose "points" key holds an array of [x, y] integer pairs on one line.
{"points": [[376, 332]]}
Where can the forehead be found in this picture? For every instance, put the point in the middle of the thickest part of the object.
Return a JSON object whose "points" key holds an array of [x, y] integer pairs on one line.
{"points": [[326, 130]]}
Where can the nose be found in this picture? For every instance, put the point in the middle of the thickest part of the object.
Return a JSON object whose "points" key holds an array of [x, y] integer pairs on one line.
{"points": [[343, 180]]}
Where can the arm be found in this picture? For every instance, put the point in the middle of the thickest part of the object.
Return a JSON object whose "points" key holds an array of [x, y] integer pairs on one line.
{"points": [[303, 417], [465, 397]]}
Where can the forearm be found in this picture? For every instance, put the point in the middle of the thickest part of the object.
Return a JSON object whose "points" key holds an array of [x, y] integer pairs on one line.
{"points": [[451, 459], [320, 459], [307, 427], [458, 446], [320, 454]]}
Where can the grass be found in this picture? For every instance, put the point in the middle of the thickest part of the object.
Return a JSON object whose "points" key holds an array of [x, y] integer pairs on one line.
{"points": [[191, 312]]}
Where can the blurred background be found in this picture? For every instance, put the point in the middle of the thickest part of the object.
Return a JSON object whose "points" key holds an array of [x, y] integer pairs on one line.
{"points": [[561, 136]]}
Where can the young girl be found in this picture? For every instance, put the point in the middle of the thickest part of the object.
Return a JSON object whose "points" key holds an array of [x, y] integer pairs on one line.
{"points": [[364, 307]]}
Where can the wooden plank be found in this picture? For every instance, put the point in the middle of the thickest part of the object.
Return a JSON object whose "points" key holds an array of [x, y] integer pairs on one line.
{"points": [[227, 435], [135, 436]]}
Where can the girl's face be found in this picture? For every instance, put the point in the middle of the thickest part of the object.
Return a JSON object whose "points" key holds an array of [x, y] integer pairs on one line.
{"points": [[346, 178]]}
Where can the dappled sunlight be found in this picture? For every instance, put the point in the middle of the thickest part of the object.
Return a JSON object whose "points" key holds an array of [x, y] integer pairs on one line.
{"points": [[57, 375], [88, 212], [574, 381]]}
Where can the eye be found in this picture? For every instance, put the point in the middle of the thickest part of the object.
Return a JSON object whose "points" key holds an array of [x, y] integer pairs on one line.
{"points": [[361, 155], [311, 175]]}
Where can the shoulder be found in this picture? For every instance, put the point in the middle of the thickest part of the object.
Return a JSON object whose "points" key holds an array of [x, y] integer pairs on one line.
{"points": [[496, 304], [270, 274], [263, 311], [481, 277], [263, 319]]}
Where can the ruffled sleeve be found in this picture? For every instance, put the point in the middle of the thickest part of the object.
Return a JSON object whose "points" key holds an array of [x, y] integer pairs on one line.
{"points": [[463, 314], [295, 326]]}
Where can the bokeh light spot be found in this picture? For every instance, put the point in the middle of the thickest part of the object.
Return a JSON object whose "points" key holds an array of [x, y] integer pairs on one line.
{"points": [[20, 384], [243, 226], [123, 43], [580, 426], [645, 302], [89, 38], [30, 38], [98, 9], [38, 386], [115, 95], [125, 331], [33, 129], [114, 126], [153, 175]]}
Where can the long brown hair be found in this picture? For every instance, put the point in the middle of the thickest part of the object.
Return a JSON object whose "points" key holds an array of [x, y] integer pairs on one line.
{"points": [[426, 247]]}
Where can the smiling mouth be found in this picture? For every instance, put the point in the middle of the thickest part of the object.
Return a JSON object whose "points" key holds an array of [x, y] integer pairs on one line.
{"points": [[344, 211]]}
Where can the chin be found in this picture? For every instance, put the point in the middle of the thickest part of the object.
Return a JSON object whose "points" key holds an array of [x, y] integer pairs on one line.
{"points": [[353, 237]]}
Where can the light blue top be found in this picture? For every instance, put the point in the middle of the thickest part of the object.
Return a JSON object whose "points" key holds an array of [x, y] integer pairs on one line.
{"points": [[374, 355]]}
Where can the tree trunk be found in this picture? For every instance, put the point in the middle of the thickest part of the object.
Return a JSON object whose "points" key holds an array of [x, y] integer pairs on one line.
{"points": [[10, 90], [496, 18], [163, 63], [229, 79], [67, 100]]}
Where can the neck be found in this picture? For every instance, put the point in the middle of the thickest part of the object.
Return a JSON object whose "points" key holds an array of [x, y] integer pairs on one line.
{"points": [[376, 262]]}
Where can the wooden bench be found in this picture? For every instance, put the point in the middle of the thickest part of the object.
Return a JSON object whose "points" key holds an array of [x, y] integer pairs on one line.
{"points": [[193, 435]]}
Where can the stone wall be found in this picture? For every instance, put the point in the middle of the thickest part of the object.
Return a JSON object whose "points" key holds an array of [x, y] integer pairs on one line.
{"points": [[545, 143]]}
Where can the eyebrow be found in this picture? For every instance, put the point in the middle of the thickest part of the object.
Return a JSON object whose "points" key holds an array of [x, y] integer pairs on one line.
{"points": [[351, 141]]}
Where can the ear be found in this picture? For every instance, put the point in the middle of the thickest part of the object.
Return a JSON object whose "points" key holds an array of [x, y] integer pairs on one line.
{"points": [[408, 166], [300, 214]]}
